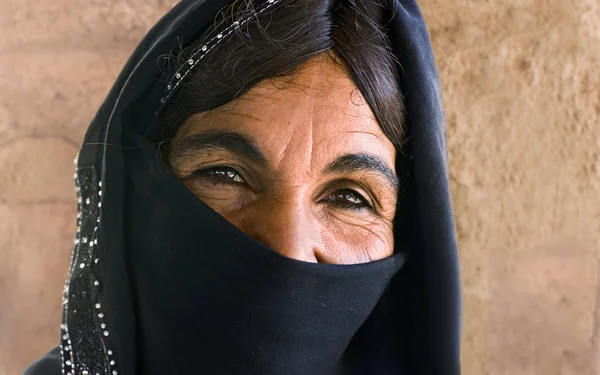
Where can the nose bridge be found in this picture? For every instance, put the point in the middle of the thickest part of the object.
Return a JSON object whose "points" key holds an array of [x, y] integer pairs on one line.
{"points": [[286, 226]]}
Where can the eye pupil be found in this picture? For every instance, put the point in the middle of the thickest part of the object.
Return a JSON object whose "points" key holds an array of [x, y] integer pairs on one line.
{"points": [[220, 175], [348, 197]]}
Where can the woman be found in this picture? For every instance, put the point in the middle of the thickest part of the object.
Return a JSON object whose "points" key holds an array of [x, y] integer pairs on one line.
{"points": [[271, 197]]}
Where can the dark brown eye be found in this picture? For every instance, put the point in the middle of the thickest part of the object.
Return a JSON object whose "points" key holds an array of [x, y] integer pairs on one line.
{"points": [[348, 199], [219, 175]]}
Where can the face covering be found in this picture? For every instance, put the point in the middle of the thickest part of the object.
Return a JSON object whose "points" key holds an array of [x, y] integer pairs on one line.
{"points": [[160, 283]]}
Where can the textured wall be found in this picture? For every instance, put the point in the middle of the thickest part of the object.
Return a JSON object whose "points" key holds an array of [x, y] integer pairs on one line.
{"points": [[522, 94]]}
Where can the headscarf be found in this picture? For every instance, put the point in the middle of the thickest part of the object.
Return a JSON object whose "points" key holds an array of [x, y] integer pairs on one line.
{"points": [[160, 283]]}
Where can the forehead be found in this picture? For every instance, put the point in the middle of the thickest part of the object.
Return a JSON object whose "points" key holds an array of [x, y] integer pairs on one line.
{"points": [[319, 107]]}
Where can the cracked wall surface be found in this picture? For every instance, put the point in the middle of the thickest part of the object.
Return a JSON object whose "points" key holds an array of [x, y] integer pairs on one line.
{"points": [[522, 95]]}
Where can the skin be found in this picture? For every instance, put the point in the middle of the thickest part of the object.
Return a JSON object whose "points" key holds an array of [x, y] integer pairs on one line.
{"points": [[286, 198]]}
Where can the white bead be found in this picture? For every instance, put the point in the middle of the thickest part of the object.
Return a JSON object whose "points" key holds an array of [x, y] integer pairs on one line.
{"points": [[98, 219], [100, 192], [84, 240], [112, 363], [65, 337], [96, 283], [96, 260], [109, 352], [98, 306], [68, 363], [66, 348], [99, 204], [204, 48], [102, 325], [178, 75], [84, 372], [100, 183], [191, 61], [115, 372], [76, 241], [100, 315], [105, 333], [82, 265], [219, 35], [87, 201]]}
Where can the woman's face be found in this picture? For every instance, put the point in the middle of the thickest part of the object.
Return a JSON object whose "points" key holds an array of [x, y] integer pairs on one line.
{"points": [[305, 169]]}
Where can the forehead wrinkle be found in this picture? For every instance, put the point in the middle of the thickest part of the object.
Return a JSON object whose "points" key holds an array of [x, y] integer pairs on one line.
{"points": [[306, 147]]}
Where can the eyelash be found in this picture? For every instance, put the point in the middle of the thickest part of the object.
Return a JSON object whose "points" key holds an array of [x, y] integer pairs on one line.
{"points": [[228, 176]]}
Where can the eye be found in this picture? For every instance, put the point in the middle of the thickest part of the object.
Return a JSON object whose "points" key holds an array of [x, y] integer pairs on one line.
{"points": [[348, 199], [219, 175]]}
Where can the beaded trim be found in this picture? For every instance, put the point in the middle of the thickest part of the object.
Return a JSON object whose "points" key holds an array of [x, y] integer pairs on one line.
{"points": [[84, 344], [199, 54]]}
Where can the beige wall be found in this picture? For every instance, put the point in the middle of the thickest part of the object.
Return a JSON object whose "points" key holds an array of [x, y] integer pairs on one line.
{"points": [[521, 82]]}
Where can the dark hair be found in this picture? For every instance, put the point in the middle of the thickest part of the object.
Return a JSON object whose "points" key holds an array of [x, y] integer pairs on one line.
{"points": [[275, 44]]}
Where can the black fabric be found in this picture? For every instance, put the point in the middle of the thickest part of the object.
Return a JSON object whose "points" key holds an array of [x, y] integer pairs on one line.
{"points": [[212, 300], [183, 291]]}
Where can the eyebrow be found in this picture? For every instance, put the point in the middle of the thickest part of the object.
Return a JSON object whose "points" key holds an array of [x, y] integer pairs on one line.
{"points": [[234, 142], [246, 148], [364, 163]]}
